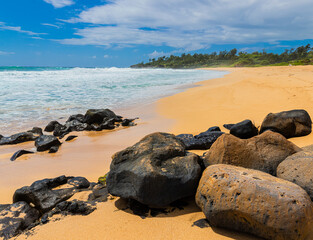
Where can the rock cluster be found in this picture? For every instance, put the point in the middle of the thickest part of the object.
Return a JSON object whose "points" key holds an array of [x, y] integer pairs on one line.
{"points": [[37, 203]]}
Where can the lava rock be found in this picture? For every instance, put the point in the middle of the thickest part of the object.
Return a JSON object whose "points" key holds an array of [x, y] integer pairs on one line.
{"points": [[99, 194], [128, 122], [43, 195], [155, 171], [20, 153], [214, 129], [98, 115], [294, 123], [263, 152], [228, 126], [79, 182], [18, 138], [298, 168], [75, 207], [51, 126], [15, 218], [251, 201], [36, 130], [54, 149], [78, 117], [202, 141], [45, 142], [244, 129], [69, 138]]}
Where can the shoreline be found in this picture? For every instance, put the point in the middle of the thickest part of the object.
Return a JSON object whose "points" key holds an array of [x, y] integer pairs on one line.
{"points": [[243, 93]]}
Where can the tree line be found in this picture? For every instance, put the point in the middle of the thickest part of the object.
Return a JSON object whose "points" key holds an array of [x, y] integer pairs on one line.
{"points": [[302, 55]]}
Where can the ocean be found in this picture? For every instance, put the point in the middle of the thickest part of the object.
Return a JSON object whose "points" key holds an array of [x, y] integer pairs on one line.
{"points": [[30, 95]]}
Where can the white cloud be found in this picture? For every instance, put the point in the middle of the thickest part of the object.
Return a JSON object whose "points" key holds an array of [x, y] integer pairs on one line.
{"points": [[50, 25], [60, 3], [6, 53], [192, 25], [94, 57], [106, 56], [3, 26]]}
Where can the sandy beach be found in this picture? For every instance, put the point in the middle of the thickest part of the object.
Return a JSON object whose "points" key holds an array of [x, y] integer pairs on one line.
{"points": [[244, 93]]}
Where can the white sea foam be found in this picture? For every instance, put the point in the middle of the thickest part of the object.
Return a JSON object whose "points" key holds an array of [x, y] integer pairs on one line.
{"points": [[46, 94]]}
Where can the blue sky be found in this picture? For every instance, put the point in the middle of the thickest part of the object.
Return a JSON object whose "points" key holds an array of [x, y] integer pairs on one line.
{"points": [[98, 33]]}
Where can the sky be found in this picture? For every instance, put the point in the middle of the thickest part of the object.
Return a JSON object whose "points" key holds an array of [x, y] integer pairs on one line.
{"points": [[98, 33]]}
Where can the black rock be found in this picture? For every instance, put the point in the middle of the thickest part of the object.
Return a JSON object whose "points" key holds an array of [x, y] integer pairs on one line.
{"points": [[69, 138], [79, 182], [294, 123], [98, 115], [78, 117], [75, 207], [244, 130], [19, 153], [18, 138], [155, 171], [43, 195], [15, 218], [99, 194], [228, 126], [45, 142], [214, 129], [201, 141], [1, 136], [54, 149], [128, 122], [51, 126], [36, 130]]}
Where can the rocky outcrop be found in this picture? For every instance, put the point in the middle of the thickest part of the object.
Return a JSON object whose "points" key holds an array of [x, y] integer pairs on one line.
{"points": [[244, 129], [20, 153], [263, 152], [45, 142], [202, 141], [294, 123], [15, 218], [18, 138], [155, 171], [298, 168], [251, 201]]}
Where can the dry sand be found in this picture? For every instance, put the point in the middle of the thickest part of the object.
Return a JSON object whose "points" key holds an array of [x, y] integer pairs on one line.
{"points": [[245, 93]]}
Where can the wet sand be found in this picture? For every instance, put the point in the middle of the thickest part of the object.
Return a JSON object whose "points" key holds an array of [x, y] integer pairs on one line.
{"points": [[245, 93]]}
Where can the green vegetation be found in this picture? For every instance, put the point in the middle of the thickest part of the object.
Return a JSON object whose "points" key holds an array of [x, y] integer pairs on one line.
{"points": [[300, 56], [103, 180]]}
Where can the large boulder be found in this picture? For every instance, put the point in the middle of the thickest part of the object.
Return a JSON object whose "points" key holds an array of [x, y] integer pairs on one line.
{"points": [[15, 218], [155, 171], [44, 194], [251, 201], [98, 115], [263, 152], [18, 138], [244, 129], [45, 142], [298, 168], [51, 126], [294, 123]]}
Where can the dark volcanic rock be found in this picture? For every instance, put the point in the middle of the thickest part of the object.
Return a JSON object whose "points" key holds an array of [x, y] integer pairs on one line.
{"points": [[43, 195], [128, 122], [69, 138], [228, 126], [15, 218], [201, 141], [99, 194], [54, 149], [78, 117], [45, 142], [20, 153], [214, 129], [36, 130], [251, 201], [298, 168], [263, 152], [79, 182], [51, 126], [18, 138], [75, 207], [155, 171], [98, 115], [294, 123], [244, 129]]}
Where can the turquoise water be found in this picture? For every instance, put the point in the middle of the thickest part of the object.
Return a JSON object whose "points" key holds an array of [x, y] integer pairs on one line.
{"points": [[39, 94]]}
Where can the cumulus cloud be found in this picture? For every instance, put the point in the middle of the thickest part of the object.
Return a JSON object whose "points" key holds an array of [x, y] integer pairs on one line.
{"points": [[60, 3], [193, 25], [3, 26]]}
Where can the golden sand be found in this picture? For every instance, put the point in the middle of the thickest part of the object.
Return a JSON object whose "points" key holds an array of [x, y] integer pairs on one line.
{"points": [[245, 93]]}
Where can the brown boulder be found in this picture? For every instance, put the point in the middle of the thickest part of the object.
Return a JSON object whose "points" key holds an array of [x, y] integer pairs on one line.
{"points": [[298, 168], [263, 152], [255, 202]]}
